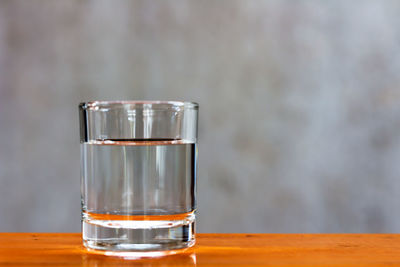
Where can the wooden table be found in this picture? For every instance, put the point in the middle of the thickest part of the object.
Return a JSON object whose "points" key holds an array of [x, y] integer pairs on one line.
{"points": [[31, 249]]}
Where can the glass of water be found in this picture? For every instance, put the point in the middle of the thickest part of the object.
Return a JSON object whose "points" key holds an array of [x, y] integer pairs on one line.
{"points": [[138, 174]]}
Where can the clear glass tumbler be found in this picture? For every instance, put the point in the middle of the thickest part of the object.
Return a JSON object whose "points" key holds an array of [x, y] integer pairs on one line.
{"points": [[138, 174]]}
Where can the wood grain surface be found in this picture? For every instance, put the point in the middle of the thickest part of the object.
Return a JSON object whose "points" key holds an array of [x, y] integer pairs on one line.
{"points": [[38, 249]]}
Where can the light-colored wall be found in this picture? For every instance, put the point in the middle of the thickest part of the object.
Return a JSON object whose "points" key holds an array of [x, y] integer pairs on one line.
{"points": [[299, 106]]}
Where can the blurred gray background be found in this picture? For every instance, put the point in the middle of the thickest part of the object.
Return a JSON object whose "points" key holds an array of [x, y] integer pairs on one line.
{"points": [[299, 106]]}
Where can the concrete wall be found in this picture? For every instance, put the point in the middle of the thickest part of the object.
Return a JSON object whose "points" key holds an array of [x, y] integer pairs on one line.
{"points": [[299, 106]]}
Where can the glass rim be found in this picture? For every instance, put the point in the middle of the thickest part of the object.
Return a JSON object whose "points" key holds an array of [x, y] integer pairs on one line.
{"points": [[137, 104]]}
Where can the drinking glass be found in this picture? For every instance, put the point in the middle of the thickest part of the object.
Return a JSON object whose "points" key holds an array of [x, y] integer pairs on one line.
{"points": [[138, 174]]}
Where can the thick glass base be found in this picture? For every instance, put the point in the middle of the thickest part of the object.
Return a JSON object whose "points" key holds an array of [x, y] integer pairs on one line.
{"points": [[138, 235]]}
